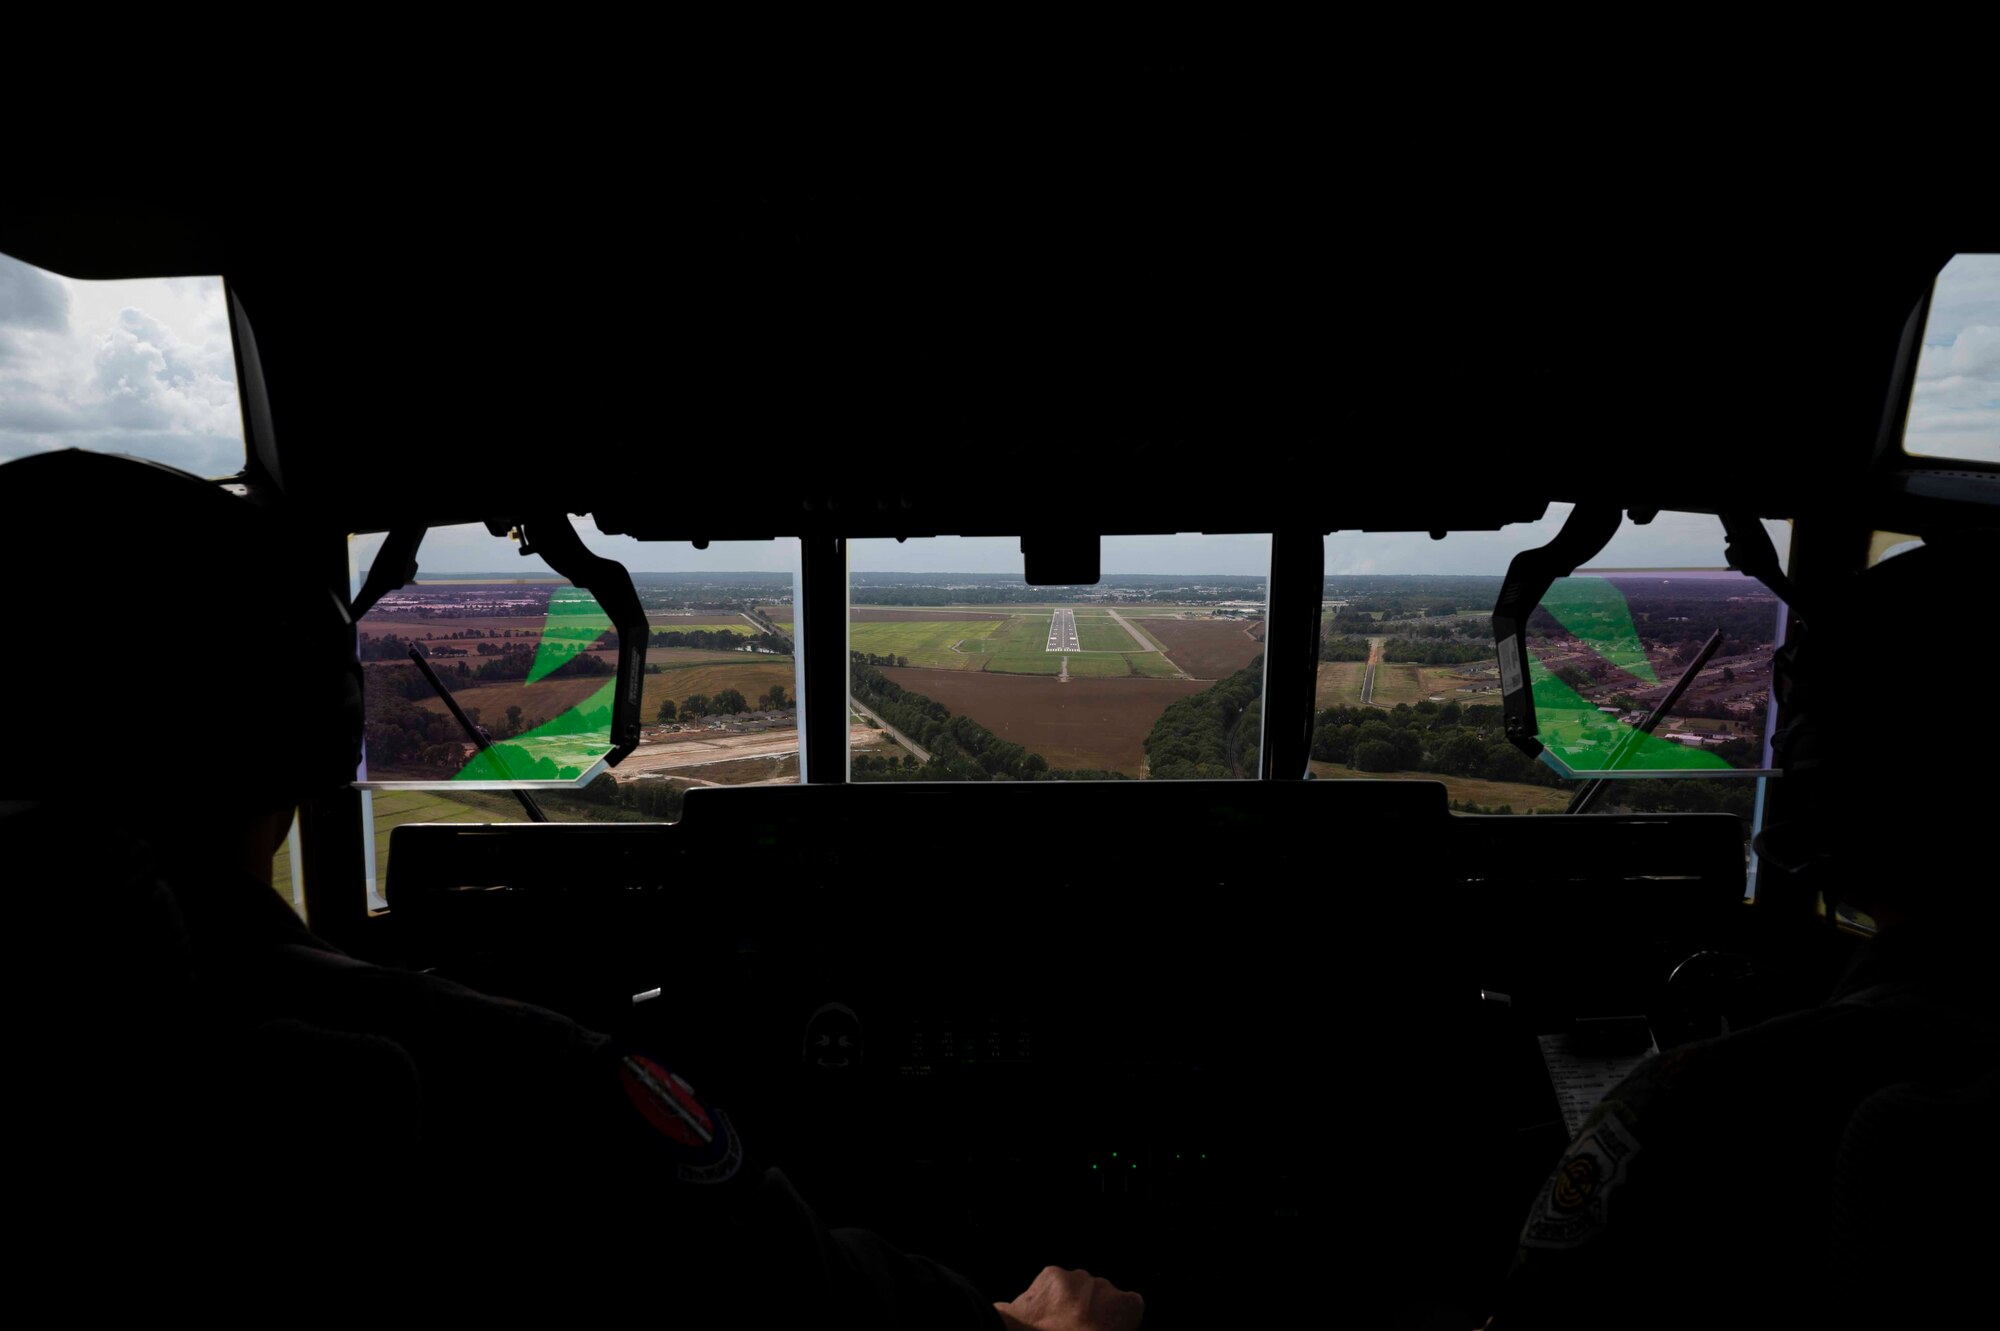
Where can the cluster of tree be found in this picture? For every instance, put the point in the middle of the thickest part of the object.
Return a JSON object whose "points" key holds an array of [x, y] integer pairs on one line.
{"points": [[514, 663], [960, 748], [1429, 737], [388, 647], [729, 702], [1202, 734], [1437, 651], [1448, 740], [1342, 647], [636, 798], [870, 658], [1398, 595], [403, 737]]}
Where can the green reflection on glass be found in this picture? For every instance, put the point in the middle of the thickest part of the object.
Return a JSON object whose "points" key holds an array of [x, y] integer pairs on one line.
{"points": [[1607, 655], [1595, 612], [563, 748], [575, 622], [558, 750], [1587, 739]]}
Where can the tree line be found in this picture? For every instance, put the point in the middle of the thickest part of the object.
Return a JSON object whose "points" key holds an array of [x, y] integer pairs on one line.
{"points": [[1449, 740], [1202, 735], [728, 702]]}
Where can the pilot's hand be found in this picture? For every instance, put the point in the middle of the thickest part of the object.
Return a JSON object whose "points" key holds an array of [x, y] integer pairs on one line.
{"points": [[1062, 1300]]}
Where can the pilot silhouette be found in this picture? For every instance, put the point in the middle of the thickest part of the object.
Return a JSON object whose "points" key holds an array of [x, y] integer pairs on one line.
{"points": [[197, 1053]]}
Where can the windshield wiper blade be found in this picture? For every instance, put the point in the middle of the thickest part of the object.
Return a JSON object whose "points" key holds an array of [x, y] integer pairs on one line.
{"points": [[1587, 793], [473, 732]]}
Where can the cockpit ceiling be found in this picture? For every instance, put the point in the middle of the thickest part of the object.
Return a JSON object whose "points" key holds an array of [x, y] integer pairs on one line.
{"points": [[818, 368]]}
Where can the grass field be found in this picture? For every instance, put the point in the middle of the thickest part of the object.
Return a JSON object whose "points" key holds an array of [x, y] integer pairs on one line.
{"points": [[1015, 645], [750, 676], [1487, 794], [929, 642], [1339, 684], [1103, 634], [1396, 683], [547, 698]]}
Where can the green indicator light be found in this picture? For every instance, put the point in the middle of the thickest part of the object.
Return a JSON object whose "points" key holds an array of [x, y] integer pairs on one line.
{"points": [[1135, 1166], [1114, 1155], [1204, 1155], [1177, 1155], [1093, 1166]]}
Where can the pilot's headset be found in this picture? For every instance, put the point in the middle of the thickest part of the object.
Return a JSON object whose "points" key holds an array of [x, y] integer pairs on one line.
{"points": [[171, 635], [1857, 752]]}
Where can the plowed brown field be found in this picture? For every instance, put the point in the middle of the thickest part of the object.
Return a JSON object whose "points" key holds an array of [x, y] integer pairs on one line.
{"points": [[1207, 648], [1091, 724]]}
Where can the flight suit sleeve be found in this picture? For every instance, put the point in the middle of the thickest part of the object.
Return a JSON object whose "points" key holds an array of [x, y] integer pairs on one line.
{"points": [[767, 1245], [526, 1116], [1694, 1193]]}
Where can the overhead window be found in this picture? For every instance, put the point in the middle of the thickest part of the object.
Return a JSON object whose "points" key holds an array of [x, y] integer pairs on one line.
{"points": [[1955, 402], [143, 366], [961, 671]]}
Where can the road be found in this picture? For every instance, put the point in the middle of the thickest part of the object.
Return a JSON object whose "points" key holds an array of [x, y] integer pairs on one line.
{"points": [[922, 755], [1146, 644]]}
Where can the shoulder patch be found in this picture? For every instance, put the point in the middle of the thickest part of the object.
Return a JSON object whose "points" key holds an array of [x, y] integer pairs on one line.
{"points": [[700, 1140], [1572, 1206]]}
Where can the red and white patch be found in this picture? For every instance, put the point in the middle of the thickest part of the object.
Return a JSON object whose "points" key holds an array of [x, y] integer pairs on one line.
{"points": [[667, 1102]]}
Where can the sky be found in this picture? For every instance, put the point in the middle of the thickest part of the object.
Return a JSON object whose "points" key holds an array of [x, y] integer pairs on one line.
{"points": [[146, 367], [143, 366], [1955, 406]]}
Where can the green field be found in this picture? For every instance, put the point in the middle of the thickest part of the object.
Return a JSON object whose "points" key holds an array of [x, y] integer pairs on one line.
{"points": [[930, 642], [1149, 665], [1017, 645], [1103, 635], [1339, 684]]}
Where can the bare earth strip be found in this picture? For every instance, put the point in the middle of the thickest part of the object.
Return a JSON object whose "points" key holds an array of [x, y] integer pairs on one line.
{"points": [[692, 750], [1084, 724], [1146, 644]]}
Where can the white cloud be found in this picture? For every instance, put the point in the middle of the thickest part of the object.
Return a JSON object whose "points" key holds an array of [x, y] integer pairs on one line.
{"points": [[143, 367], [1955, 405]]}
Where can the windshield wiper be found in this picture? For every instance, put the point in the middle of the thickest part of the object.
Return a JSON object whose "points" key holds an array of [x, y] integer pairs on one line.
{"points": [[477, 736]]}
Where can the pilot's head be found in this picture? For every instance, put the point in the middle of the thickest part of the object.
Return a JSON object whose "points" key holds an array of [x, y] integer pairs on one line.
{"points": [[175, 662], [1889, 751]]}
